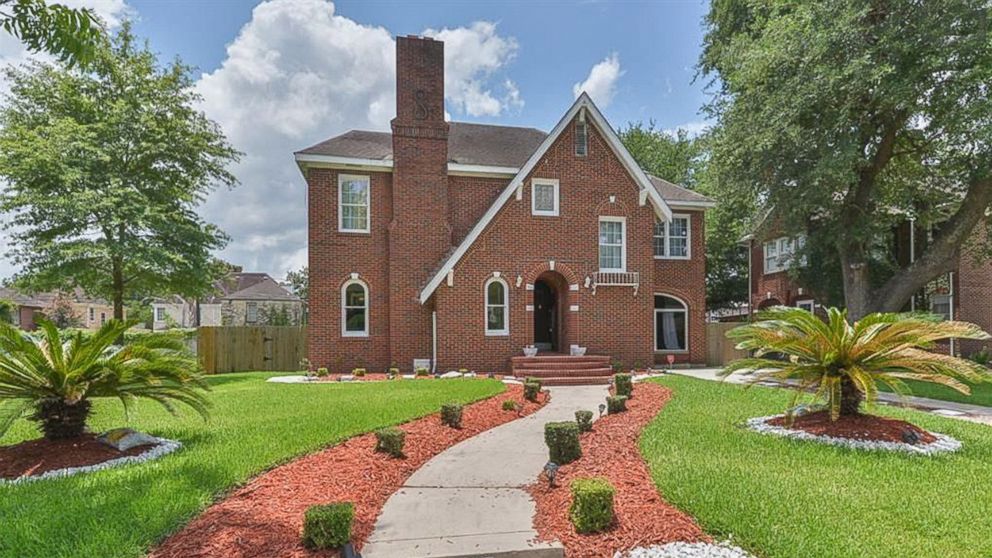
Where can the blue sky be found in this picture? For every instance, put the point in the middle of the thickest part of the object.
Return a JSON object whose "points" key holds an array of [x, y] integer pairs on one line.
{"points": [[283, 74]]}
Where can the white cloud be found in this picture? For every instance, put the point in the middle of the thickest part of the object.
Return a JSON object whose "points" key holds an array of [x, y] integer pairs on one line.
{"points": [[472, 55], [693, 128], [601, 84]]}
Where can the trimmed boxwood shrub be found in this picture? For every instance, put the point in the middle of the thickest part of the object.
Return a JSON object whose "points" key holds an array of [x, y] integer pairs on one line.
{"points": [[358, 372], [562, 439], [584, 420], [616, 404], [451, 415], [422, 371], [390, 440], [624, 385], [328, 525], [322, 372], [509, 405], [592, 505], [531, 389]]}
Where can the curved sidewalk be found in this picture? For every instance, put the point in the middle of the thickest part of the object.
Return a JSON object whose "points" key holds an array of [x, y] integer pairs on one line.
{"points": [[469, 500]]}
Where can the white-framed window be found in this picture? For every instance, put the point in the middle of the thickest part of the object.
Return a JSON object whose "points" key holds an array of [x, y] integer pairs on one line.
{"points": [[355, 309], [251, 312], [497, 307], [159, 313], [544, 197], [671, 239], [612, 244], [671, 324], [354, 202], [780, 251], [581, 139], [940, 304], [807, 305], [92, 314]]}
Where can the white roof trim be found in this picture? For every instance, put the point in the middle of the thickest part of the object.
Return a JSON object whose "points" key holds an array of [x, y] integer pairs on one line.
{"points": [[662, 209], [690, 204], [386, 165]]}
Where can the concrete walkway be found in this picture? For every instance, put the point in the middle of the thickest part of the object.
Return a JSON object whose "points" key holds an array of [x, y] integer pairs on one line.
{"points": [[953, 409], [469, 500]]}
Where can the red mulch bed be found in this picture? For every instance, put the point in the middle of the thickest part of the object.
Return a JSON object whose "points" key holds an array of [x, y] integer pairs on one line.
{"points": [[857, 427], [379, 377], [265, 517], [35, 457], [643, 517]]}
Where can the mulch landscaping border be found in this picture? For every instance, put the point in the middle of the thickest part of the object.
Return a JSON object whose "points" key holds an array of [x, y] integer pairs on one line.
{"points": [[610, 450], [265, 517]]}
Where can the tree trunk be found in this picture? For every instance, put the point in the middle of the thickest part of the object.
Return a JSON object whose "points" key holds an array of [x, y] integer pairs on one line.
{"points": [[850, 398], [857, 281], [117, 271], [60, 420]]}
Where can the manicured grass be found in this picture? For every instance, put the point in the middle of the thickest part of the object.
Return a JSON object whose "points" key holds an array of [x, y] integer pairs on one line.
{"points": [[786, 498], [981, 393], [253, 426]]}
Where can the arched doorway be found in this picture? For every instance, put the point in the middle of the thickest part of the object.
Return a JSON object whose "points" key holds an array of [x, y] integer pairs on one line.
{"points": [[549, 301]]}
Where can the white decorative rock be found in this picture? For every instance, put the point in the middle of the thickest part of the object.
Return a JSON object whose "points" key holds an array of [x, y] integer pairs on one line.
{"points": [[291, 380], [943, 443], [346, 378], [123, 439], [687, 550], [162, 447], [452, 374]]}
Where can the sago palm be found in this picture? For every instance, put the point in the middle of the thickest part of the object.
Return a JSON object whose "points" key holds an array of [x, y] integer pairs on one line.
{"points": [[844, 363], [50, 376]]}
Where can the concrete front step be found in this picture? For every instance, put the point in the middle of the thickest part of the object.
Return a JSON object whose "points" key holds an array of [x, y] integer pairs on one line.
{"points": [[558, 372], [573, 380], [560, 365], [560, 358]]}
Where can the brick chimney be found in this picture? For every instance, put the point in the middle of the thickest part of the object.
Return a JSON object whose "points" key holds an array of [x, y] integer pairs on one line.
{"points": [[419, 235]]}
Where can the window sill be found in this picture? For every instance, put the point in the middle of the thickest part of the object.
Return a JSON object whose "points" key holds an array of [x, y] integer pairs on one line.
{"points": [[544, 214], [343, 231], [497, 334], [355, 335], [677, 258]]}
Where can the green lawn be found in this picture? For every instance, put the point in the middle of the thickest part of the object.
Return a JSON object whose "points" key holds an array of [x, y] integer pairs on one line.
{"points": [[981, 393], [253, 426], [786, 498]]}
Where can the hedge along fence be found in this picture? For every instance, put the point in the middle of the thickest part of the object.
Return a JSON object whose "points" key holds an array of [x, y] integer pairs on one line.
{"points": [[247, 348]]}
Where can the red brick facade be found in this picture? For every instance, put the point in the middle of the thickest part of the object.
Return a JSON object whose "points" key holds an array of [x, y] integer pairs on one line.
{"points": [[420, 214]]}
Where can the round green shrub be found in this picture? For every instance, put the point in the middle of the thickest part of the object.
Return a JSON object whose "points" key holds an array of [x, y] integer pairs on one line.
{"points": [[328, 525], [592, 505], [584, 420], [531, 390], [422, 372], [624, 385], [509, 405], [359, 372], [451, 415], [562, 439], [616, 404], [322, 372], [390, 441]]}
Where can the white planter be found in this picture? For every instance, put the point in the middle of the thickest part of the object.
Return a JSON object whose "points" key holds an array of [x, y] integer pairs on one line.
{"points": [[530, 351], [577, 350]]}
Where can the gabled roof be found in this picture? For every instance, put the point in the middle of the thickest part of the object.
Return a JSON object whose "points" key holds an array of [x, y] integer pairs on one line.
{"points": [[648, 191], [468, 144], [679, 195], [266, 289]]}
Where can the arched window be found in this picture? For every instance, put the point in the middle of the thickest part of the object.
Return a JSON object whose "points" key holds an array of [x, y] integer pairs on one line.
{"points": [[497, 307], [671, 324], [355, 309]]}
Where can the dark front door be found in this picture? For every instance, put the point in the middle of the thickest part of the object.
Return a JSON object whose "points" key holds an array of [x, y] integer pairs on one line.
{"points": [[545, 317]]}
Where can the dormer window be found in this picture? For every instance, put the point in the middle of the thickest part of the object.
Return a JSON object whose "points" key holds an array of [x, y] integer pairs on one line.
{"points": [[581, 139], [544, 197]]}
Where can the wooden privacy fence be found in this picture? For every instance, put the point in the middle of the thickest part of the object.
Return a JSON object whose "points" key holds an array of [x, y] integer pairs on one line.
{"points": [[242, 349], [720, 350]]}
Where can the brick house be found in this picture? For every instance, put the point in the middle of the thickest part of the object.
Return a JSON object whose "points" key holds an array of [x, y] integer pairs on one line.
{"points": [[456, 245], [963, 294]]}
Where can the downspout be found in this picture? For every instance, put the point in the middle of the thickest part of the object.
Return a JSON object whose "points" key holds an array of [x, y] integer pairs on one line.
{"points": [[912, 257], [433, 342], [950, 277], [750, 303]]}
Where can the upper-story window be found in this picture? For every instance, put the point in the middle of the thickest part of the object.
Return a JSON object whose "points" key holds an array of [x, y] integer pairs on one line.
{"points": [[544, 197], [353, 203], [779, 253], [354, 309], [581, 139], [671, 239], [497, 307], [612, 244]]}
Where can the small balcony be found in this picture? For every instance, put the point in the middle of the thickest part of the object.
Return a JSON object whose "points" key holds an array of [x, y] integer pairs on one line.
{"points": [[616, 279]]}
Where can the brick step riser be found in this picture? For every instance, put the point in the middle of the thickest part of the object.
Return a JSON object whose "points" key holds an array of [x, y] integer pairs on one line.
{"points": [[560, 365], [599, 373]]}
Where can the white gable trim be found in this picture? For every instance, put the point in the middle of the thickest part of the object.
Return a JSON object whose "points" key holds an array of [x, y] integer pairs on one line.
{"points": [[663, 211], [307, 160]]}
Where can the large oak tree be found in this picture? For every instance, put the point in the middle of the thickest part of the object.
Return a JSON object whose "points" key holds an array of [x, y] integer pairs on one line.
{"points": [[849, 116], [105, 170]]}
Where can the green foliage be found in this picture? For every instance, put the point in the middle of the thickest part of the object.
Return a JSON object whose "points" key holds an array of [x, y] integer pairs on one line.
{"points": [[62, 313], [584, 420], [71, 35], [531, 390], [105, 169], [981, 357], [848, 116], [842, 363], [328, 525], [562, 439], [685, 160], [422, 372], [616, 404], [299, 284], [592, 505], [322, 372], [52, 371], [7, 309], [734, 481], [451, 415], [390, 441], [624, 385], [359, 372], [509, 405], [276, 314], [285, 421]]}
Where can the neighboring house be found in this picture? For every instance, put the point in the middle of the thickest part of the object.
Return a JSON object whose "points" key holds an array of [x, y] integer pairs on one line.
{"points": [[241, 299], [964, 294], [91, 313], [458, 244]]}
